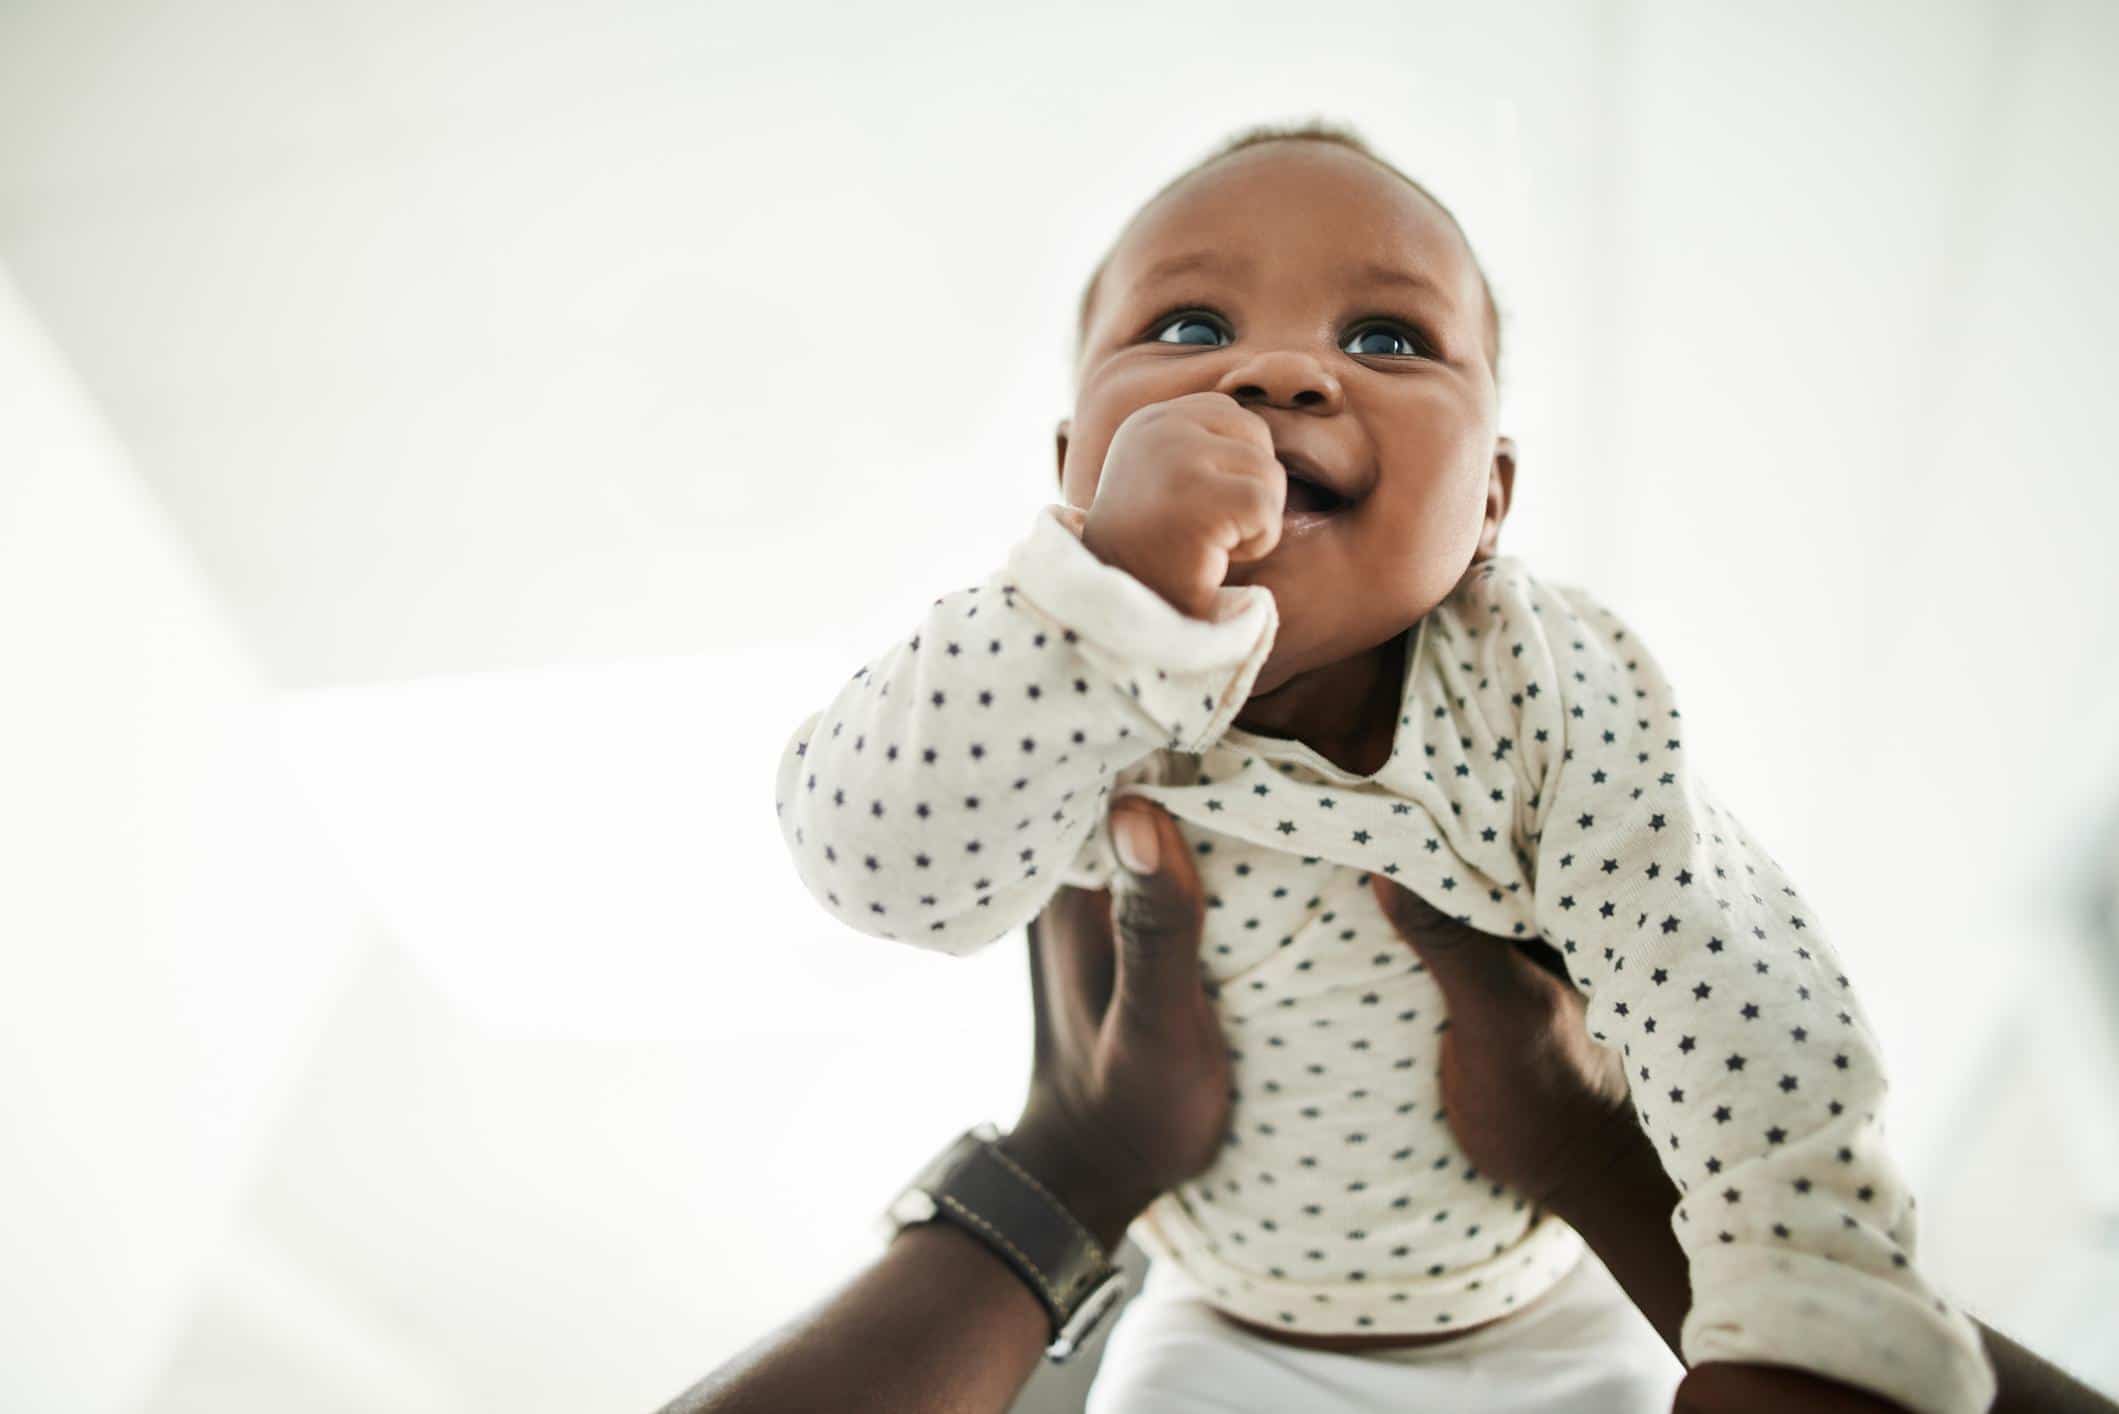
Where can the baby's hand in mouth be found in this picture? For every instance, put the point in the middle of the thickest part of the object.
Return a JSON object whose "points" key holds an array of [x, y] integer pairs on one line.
{"points": [[1191, 487]]}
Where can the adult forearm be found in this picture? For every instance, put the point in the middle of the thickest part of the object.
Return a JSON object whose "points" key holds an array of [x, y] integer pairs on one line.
{"points": [[1623, 1213], [2030, 1385], [937, 1325], [2027, 1385], [1624, 1216]]}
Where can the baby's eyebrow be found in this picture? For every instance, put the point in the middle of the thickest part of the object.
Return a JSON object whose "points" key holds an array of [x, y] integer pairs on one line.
{"points": [[1211, 262], [1377, 273]]}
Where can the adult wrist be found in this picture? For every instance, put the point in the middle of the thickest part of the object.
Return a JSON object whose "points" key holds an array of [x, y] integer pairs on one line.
{"points": [[1620, 1185], [1101, 1198], [1621, 1204]]}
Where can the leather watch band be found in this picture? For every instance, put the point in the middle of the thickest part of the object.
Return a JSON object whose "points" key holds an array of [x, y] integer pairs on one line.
{"points": [[975, 1186]]}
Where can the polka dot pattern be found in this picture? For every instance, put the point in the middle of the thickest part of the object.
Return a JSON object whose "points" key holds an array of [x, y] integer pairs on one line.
{"points": [[1538, 788]]}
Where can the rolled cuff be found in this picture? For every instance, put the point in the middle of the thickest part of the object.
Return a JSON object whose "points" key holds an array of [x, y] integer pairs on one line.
{"points": [[1188, 676], [1754, 1305]]}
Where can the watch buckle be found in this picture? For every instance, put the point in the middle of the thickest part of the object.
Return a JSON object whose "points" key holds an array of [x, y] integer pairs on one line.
{"points": [[1088, 1316]]}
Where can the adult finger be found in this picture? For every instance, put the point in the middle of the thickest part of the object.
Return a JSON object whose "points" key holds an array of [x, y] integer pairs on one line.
{"points": [[1469, 966], [1156, 912]]}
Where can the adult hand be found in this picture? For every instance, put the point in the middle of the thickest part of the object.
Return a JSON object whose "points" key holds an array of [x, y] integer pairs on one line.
{"points": [[1129, 1091], [1530, 1098], [1130, 1095], [1538, 1105]]}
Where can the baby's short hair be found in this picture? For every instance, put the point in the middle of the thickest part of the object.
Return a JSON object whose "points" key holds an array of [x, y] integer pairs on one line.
{"points": [[1315, 130]]}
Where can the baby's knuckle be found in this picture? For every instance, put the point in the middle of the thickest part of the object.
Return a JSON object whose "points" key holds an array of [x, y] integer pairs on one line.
{"points": [[1260, 496]]}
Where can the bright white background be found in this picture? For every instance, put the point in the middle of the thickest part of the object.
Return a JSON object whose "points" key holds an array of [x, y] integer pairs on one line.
{"points": [[446, 446]]}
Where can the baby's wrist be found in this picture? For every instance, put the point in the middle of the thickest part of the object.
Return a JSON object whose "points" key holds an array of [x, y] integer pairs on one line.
{"points": [[1115, 552]]}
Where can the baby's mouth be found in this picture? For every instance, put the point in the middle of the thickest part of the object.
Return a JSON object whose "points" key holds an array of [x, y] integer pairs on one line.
{"points": [[1306, 497]]}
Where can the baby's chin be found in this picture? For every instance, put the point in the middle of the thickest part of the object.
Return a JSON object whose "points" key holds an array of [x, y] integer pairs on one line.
{"points": [[1295, 656], [1271, 678]]}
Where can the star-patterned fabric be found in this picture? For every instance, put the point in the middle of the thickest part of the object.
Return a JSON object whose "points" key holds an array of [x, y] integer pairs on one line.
{"points": [[1537, 788]]}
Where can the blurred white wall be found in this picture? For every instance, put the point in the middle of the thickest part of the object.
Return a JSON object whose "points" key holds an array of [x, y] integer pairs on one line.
{"points": [[169, 933], [558, 401]]}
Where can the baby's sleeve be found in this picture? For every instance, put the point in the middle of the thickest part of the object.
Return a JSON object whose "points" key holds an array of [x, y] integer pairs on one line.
{"points": [[1752, 1067], [952, 785]]}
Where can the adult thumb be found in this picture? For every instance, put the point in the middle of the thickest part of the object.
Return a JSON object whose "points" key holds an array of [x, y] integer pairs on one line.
{"points": [[1156, 911], [1466, 964]]}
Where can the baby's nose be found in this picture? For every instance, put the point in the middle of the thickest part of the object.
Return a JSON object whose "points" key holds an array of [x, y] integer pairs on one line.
{"points": [[1283, 378]]}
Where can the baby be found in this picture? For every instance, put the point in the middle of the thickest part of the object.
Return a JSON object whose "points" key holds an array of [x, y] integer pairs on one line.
{"points": [[1272, 603]]}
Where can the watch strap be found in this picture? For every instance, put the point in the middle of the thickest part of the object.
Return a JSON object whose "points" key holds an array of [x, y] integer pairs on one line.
{"points": [[995, 1198], [977, 1187]]}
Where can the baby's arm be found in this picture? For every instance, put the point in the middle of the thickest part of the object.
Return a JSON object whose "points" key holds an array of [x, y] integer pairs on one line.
{"points": [[941, 796], [1751, 1067]]}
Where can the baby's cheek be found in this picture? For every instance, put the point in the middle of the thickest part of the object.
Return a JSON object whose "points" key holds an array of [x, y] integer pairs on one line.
{"points": [[1430, 531]]}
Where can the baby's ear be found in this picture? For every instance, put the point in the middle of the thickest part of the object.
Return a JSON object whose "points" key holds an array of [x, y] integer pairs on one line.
{"points": [[1500, 494], [1060, 435]]}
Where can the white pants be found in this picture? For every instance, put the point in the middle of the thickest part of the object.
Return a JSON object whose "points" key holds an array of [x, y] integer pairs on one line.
{"points": [[1581, 1348]]}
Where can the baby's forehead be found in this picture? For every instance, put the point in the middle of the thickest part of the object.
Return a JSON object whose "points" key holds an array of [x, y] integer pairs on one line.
{"points": [[1296, 205], [1299, 199]]}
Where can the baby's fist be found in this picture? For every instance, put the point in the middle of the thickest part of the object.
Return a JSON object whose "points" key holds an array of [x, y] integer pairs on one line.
{"points": [[1188, 488]]}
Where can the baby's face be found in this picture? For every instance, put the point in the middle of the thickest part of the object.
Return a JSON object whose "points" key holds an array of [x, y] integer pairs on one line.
{"points": [[1341, 306]]}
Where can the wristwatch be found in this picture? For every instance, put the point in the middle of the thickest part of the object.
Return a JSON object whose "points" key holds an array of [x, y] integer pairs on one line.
{"points": [[989, 1195]]}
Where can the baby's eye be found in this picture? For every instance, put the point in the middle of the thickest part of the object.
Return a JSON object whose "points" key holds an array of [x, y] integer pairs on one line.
{"points": [[1192, 329], [1383, 341]]}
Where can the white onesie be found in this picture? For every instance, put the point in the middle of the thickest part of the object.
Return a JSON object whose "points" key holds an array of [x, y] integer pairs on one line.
{"points": [[1537, 787]]}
